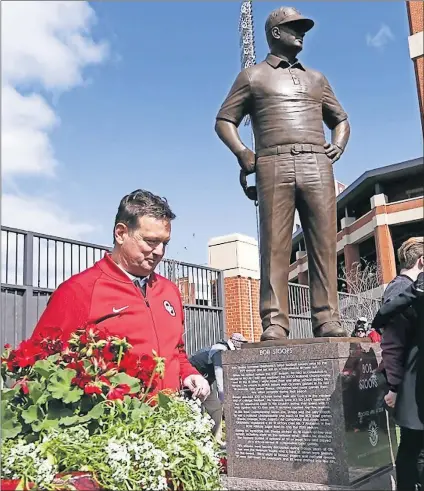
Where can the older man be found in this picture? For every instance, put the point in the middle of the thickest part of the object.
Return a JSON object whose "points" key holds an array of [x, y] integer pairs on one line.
{"points": [[288, 103], [123, 294]]}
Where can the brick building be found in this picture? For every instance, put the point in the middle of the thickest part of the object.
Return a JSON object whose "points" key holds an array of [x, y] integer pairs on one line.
{"points": [[375, 214], [415, 11]]}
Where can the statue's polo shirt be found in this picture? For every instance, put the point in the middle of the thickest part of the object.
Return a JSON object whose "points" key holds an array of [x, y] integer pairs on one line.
{"points": [[287, 103]]}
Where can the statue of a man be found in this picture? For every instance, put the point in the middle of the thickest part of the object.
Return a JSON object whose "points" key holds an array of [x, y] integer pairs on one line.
{"points": [[288, 103]]}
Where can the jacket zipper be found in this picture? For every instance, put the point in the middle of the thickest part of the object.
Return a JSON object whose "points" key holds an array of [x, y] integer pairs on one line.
{"points": [[146, 301]]}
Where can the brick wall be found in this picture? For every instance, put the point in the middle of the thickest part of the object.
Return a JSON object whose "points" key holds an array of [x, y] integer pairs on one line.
{"points": [[187, 290], [416, 20], [242, 307]]}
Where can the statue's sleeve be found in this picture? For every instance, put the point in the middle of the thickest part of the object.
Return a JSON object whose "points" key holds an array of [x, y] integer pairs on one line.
{"points": [[332, 111], [236, 105]]}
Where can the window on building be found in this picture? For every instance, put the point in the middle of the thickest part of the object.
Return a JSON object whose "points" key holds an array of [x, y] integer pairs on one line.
{"points": [[415, 193]]}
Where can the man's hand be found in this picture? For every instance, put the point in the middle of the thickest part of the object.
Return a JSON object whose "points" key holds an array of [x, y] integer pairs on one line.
{"points": [[198, 385], [247, 161], [333, 152], [390, 398]]}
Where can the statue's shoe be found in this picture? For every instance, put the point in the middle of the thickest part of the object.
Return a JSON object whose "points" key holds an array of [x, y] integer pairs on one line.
{"points": [[331, 329], [274, 333]]}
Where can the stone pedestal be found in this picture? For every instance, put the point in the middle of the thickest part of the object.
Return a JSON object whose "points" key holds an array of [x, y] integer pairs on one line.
{"points": [[307, 414]]}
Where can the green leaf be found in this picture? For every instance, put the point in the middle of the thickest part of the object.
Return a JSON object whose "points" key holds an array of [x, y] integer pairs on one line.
{"points": [[163, 400], [30, 415], [74, 395], [199, 460], [10, 426], [95, 413], [36, 390], [8, 394], [44, 368], [123, 378], [69, 420], [45, 424], [60, 386], [140, 412]]}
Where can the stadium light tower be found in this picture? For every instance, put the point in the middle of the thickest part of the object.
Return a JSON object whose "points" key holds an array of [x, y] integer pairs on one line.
{"points": [[247, 39], [247, 59]]}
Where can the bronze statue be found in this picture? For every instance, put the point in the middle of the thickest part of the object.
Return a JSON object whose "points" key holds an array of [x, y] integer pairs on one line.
{"points": [[288, 103]]}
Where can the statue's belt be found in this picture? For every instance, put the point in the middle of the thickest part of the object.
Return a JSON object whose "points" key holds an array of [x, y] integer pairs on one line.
{"points": [[294, 149]]}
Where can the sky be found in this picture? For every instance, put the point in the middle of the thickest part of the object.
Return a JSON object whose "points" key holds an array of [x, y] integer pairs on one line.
{"points": [[101, 98]]}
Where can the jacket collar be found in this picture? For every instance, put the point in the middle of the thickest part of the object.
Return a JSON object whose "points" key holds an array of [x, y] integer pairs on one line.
{"points": [[110, 268], [276, 61]]}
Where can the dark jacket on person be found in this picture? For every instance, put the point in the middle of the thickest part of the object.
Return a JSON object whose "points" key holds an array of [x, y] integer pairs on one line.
{"points": [[400, 306]]}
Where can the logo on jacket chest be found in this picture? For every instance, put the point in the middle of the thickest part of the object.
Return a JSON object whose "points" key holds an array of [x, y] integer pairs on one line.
{"points": [[169, 308]]}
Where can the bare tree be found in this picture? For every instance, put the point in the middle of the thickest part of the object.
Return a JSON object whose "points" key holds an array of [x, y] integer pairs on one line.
{"points": [[363, 284]]}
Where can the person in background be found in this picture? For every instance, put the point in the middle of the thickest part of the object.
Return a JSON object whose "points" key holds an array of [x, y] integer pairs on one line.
{"points": [[208, 362], [400, 342], [362, 331], [412, 297], [361, 328], [122, 293]]}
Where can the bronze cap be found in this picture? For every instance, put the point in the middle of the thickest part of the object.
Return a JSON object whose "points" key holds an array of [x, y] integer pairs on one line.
{"points": [[284, 15]]}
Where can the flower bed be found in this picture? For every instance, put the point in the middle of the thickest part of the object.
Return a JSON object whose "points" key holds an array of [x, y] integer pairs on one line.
{"points": [[89, 406]]}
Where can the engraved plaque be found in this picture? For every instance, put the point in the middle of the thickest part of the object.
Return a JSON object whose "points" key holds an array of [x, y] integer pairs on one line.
{"points": [[305, 413]]}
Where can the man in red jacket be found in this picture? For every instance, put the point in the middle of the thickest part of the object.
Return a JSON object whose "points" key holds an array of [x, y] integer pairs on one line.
{"points": [[124, 295]]}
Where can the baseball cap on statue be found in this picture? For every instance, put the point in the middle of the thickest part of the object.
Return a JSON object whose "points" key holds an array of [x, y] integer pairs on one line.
{"points": [[284, 15]]}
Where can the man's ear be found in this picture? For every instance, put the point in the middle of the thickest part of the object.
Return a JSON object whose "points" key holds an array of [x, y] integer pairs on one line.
{"points": [[121, 230], [275, 31]]}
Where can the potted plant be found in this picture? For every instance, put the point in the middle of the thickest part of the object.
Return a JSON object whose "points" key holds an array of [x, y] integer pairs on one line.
{"points": [[87, 411]]}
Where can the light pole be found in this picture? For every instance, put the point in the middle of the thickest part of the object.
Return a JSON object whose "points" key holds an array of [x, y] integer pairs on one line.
{"points": [[247, 59]]}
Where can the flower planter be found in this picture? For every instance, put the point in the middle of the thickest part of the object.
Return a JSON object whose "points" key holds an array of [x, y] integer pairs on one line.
{"points": [[79, 481], [83, 403]]}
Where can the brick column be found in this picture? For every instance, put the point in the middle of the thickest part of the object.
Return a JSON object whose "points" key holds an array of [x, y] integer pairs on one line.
{"points": [[237, 255], [416, 47], [383, 241]]}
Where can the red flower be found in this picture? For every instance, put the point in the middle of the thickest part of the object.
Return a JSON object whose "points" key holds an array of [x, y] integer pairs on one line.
{"points": [[141, 367], [23, 384], [27, 354], [92, 389], [81, 380], [104, 381], [147, 363], [118, 392], [83, 338], [50, 340], [7, 346], [76, 365], [129, 364], [108, 352], [69, 356]]}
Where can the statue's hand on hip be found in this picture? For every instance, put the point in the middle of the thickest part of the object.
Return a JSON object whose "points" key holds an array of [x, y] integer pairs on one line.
{"points": [[333, 152], [247, 161]]}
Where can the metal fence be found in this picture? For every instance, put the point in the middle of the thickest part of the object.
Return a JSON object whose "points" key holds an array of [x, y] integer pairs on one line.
{"points": [[33, 265], [351, 308]]}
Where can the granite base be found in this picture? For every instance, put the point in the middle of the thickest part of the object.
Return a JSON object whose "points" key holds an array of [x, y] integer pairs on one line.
{"points": [[382, 480], [309, 412]]}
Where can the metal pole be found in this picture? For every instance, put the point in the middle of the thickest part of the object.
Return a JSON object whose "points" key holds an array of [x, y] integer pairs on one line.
{"points": [[28, 272]]}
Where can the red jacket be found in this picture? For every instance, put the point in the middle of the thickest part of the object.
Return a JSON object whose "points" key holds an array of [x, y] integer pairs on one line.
{"points": [[105, 295]]}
